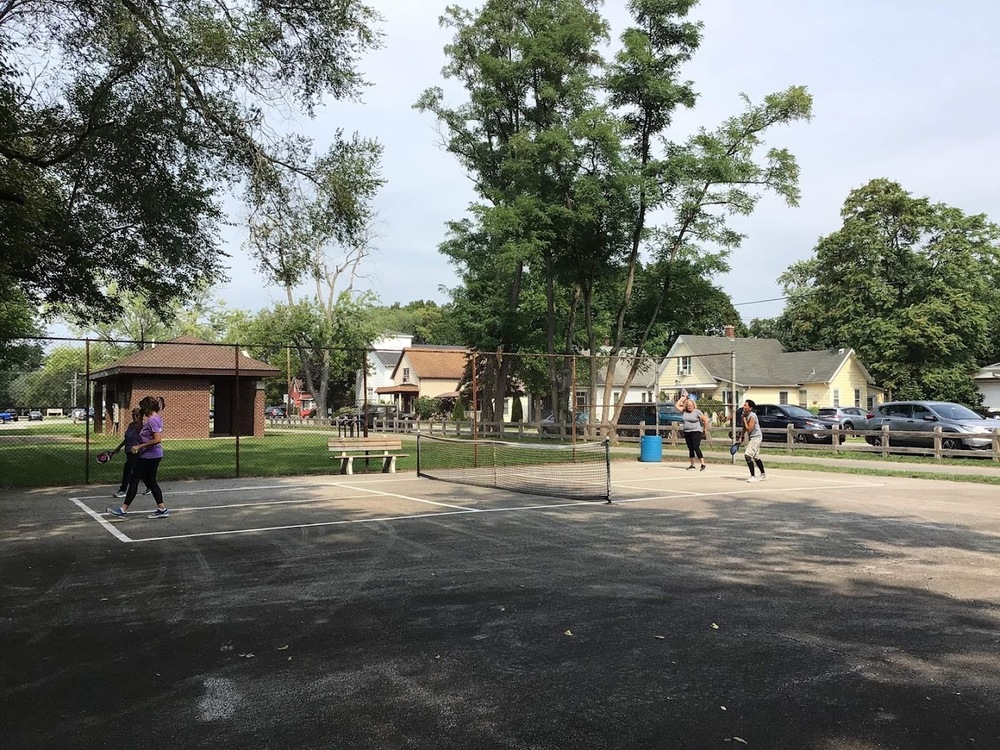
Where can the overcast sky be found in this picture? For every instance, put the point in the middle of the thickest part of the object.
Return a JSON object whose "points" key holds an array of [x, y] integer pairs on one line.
{"points": [[903, 89]]}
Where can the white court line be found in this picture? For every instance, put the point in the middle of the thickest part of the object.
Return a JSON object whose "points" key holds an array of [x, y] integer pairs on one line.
{"points": [[769, 490], [456, 509], [464, 511], [677, 493], [101, 520]]}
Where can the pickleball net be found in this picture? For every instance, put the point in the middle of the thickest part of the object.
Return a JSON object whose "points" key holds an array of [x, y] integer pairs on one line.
{"points": [[581, 471]]}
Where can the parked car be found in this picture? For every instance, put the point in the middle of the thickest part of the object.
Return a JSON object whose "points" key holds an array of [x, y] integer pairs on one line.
{"points": [[922, 417], [8, 415], [34, 416], [548, 425], [669, 413], [275, 412], [4, 417], [775, 419], [849, 417]]}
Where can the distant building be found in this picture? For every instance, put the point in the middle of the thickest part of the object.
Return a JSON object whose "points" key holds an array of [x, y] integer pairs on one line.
{"points": [[766, 373], [988, 382], [381, 361]]}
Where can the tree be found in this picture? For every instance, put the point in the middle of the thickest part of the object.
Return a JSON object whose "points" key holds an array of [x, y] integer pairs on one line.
{"points": [[318, 234], [113, 162], [429, 322], [913, 286], [570, 158], [18, 322]]}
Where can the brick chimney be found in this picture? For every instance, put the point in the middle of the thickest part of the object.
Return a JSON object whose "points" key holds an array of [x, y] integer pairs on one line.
{"points": [[730, 333]]}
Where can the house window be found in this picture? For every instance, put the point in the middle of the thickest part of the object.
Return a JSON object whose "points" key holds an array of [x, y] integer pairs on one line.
{"points": [[803, 398], [727, 397], [581, 398], [616, 396], [406, 374], [836, 397], [857, 397], [684, 366], [783, 397]]}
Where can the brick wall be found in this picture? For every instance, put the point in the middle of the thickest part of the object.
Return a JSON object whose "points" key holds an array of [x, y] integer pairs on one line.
{"points": [[188, 401]]}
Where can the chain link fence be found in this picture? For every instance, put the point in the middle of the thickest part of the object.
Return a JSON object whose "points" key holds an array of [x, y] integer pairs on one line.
{"points": [[234, 410]]}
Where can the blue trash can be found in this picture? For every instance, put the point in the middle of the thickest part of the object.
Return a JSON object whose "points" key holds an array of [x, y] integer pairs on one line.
{"points": [[651, 448]]}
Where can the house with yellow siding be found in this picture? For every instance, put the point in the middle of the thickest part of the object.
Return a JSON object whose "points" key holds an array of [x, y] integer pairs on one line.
{"points": [[764, 372]]}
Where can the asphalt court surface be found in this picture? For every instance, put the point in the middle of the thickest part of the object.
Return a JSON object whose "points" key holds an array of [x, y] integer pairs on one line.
{"points": [[814, 610], [204, 509]]}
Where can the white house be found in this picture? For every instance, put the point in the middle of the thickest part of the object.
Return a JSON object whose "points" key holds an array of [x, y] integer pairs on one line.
{"points": [[988, 382], [382, 360]]}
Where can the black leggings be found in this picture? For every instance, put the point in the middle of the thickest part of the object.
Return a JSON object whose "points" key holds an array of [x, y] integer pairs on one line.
{"points": [[693, 440], [145, 471]]}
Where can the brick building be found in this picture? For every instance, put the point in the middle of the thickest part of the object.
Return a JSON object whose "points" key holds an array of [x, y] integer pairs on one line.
{"points": [[195, 378]]}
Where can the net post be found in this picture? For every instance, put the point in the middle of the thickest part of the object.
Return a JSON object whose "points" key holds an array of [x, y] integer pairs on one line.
{"points": [[607, 466], [732, 385]]}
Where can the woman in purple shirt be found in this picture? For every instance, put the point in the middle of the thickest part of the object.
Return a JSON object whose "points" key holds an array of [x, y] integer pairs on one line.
{"points": [[150, 452]]}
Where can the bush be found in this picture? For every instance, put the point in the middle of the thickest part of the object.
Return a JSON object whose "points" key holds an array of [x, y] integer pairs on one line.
{"points": [[516, 411], [426, 407], [458, 413]]}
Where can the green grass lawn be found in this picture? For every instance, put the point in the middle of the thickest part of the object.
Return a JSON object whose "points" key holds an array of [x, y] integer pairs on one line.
{"points": [[56, 454]]}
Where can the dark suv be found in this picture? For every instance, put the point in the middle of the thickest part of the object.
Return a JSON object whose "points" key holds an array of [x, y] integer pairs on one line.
{"points": [[775, 419], [915, 423]]}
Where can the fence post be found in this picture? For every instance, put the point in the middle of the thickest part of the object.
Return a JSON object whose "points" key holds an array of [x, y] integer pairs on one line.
{"points": [[996, 445], [885, 441], [937, 442]]}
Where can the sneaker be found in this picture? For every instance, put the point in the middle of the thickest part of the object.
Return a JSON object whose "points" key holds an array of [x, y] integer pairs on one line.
{"points": [[117, 512], [119, 494], [703, 467], [689, 468], [763, 477], [159, 513], [147, 491], [754, 479]]}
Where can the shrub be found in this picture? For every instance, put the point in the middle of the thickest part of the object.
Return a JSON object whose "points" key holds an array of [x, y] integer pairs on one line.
{"points": [[516, 410]]}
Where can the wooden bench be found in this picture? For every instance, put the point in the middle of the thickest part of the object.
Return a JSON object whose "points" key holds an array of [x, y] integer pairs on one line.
{"points": [[349, 448]]}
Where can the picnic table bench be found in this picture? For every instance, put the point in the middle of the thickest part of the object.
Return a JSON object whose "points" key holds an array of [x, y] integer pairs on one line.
{"points": [[346, 449]]}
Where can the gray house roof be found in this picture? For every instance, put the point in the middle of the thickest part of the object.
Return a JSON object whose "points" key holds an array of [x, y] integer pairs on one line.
{"points": [[990, 372], [387, 359], [764, 362]]}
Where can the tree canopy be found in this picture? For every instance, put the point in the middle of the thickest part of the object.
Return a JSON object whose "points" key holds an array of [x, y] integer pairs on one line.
{"points": [[913, 286], [122, 123], [591, 224]]}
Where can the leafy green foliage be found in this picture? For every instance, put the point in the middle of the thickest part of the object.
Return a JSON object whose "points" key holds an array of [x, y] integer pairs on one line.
{"points": [[114, 162], [569, 156], [912, 286]]}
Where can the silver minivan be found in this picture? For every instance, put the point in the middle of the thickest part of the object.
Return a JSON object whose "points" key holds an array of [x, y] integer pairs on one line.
{"points": [[916, 422]]}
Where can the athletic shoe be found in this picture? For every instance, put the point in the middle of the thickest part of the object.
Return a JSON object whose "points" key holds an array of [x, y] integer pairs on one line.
{"points": [[754, 479], [147, 491], [703, 467], [119, 494], [159, 513], [763, 477], [117, 512], [689, 468]]}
